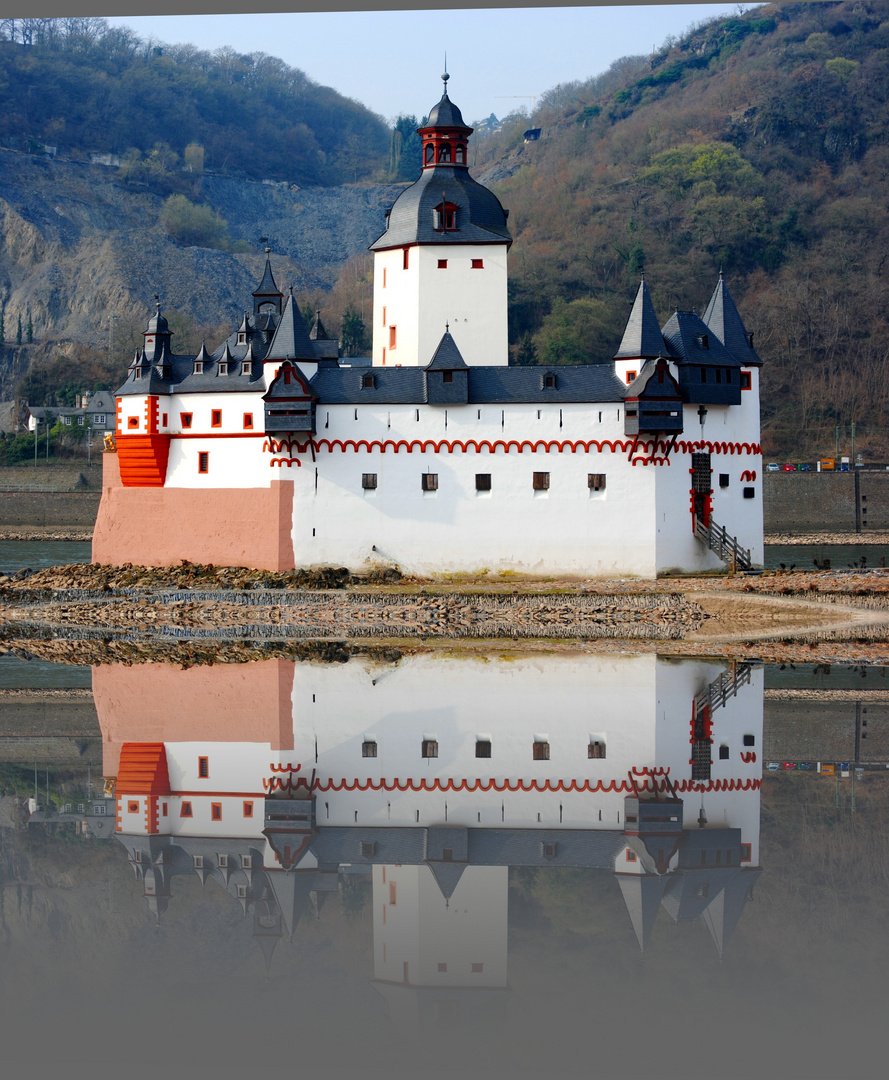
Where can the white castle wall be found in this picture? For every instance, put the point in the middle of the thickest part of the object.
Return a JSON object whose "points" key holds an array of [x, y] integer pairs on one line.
{"points": [[420, 300]]}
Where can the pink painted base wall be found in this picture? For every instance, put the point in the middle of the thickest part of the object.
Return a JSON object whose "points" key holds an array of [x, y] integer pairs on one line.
{"points": [[162, 526], [214, 703]]}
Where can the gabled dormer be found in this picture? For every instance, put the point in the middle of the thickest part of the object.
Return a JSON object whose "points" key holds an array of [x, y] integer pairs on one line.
{"points": [[653, 401], [446, 375], [267, 297]]}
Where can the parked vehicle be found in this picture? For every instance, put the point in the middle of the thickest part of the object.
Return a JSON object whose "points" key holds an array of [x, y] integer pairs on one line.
{"points": [[805, 467], [773, 766], [773, 466], [845, 467], [804, 765], [787, 467], [789, 765]]}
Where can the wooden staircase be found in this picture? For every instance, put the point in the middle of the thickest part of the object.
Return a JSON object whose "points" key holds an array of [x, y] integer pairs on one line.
{"points": [[726, 547]]}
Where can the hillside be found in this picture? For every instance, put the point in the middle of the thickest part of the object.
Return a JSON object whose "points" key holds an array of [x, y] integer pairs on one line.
{"points": [[756, 145]]}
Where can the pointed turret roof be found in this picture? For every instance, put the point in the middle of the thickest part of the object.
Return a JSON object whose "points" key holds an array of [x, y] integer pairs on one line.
{"points": [[723, 319], [447, 356], [724, 913], [291, 340], [642, 894], [267, 290], [642, 336], [318, 333]]}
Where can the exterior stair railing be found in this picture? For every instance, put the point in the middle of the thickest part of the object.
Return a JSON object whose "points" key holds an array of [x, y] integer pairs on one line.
{"points": [[722, 688], [726, 547]]}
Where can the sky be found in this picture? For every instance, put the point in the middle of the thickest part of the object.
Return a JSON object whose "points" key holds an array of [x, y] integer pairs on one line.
{"points": [[499, 59]]}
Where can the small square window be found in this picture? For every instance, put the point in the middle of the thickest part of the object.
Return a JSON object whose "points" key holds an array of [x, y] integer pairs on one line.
{"points": [[369, 481], [541, 481], [429, 748], [132, 421], [723, 479], [549, 850], [596, 481], [750, 740], [246, 862], [198, 862], [242, 892], [248, 808], [442, 264], [393, 337], [483, 748], [429, 481], [596, 749], [447, 376], [478, 264], [216, 418], [185, 810], [368, 748], [203, 462], [132, 807], [540, 751], [216, 811], [477, 969], [549, 382], [368, 848], [199, 367], [746, 852], [442, 967], [749, 493], [80, 420], [222, 860], [367, 382], [186, 419], [447, 854], [483, 481], [631, 855], [203, 767], [630, 376], [746, 381], [223, 367], [247, 367], [723, 753], [248, 421]]}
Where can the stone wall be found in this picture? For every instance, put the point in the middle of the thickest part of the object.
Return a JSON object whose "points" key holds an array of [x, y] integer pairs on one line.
{"points": [[49, 508], [825, 502]]}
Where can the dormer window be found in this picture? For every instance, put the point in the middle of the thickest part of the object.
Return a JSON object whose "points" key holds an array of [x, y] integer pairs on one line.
{"points": [[242, 338], [445, 217], [367, 382], [247, 367], [703, 341], [198, 367], [223, 368], [137, 373], [549, 381]]}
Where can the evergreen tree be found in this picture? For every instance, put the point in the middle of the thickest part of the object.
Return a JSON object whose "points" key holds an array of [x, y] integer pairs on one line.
{"points": [[18, 333], [2, 324], [526, 354], [30, 334], [353, 335]]}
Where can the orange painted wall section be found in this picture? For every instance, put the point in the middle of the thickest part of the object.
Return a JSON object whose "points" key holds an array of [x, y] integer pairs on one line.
{"points": [[158, 703], [143, 459], [161, 526]]}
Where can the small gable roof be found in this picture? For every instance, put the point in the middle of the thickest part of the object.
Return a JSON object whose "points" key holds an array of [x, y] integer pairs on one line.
{"points": [[447, 356]]}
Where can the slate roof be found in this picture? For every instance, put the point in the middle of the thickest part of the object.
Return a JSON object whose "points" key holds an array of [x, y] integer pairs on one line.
{"points": [[682, 334], [447, 356], [723, 319], [668, 390], [480, 216], [642, 336], [487, 385], [291, 340], [445, 114]]}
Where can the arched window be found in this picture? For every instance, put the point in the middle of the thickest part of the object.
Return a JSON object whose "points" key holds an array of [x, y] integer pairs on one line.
{"points": [[430, 152], [460, 155], [444, 154]]}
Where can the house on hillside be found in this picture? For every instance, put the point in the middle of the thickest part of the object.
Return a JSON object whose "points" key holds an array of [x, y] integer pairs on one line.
{"points": [[95, 409], [272, 452]]}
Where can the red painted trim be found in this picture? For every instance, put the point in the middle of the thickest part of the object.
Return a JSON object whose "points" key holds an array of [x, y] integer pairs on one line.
{"points": [[219, 435], [748, 757], [532, 785], [748, 475]]}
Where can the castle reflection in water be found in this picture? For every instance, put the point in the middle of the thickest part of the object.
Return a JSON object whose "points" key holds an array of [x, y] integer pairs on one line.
{"points": [[436, 775]]}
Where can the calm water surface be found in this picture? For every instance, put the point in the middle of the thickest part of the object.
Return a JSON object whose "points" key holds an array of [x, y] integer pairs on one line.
{"points": [[37, 554], [454, 901]]}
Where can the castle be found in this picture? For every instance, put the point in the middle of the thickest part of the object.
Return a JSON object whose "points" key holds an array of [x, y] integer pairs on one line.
{"points": [[439, 457]]}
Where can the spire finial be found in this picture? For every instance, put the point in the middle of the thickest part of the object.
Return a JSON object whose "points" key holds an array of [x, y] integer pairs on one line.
{"points": [[447, 327], [445, 76]]}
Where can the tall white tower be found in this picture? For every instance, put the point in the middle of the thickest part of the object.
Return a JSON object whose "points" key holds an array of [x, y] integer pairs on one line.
{"points": [[442, 258]]}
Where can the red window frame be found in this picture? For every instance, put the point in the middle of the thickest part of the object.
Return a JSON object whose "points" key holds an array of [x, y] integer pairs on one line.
{"points": [[133, 807], [185, 419], [248, 808], [248, 421], [746, 380], [132, 421], [185, 810], [216, 811], [203, 767], [478, 264], [216, 418], [204, 461]]}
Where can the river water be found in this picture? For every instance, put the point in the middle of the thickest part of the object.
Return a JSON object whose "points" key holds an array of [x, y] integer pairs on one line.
{"points": [[433, 866]]}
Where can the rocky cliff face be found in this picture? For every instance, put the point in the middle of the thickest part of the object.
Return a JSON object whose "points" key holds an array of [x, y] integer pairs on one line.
{"points": [[77, 244]]}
